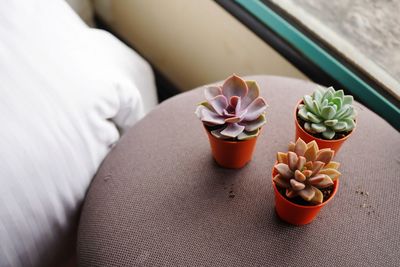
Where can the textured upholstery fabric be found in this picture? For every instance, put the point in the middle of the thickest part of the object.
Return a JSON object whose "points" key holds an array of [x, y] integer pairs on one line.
{"points": [[160, 200]]}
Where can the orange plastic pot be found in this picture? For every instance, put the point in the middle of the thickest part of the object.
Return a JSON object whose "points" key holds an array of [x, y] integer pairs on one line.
{"points": [[231, 154], [297, 214], [322, 143]]}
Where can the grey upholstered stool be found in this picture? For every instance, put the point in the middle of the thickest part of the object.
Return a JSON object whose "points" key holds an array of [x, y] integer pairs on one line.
{"points": [[160, 200]]}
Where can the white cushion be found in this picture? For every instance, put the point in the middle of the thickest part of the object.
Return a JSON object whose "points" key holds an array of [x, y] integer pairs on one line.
{"points": [[65, 91], [84, 8]]}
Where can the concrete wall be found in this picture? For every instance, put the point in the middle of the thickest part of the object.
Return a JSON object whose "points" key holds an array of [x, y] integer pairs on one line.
{"points": [[192, 42]]}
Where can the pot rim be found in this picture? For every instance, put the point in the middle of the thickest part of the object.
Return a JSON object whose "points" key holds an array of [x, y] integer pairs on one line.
{"points": [[335, 189], [232, 142], [312, 136]]}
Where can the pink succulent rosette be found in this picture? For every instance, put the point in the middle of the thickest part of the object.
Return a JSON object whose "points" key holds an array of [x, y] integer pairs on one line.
{"points": [[305, 169], [235, 110]]}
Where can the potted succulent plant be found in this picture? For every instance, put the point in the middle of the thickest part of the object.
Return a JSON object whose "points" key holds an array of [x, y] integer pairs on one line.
{"points": [[304, 180], [327, 116], [232, 115]]}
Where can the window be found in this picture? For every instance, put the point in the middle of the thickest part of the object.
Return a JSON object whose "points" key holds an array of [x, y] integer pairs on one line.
{"points": [[366, 33], [351, 44]]}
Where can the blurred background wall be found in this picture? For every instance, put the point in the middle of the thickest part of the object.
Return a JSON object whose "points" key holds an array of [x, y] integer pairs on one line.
{"points": [[191, 42]]}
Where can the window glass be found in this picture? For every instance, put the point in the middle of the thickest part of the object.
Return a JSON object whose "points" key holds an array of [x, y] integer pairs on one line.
{"points": [[366, 32]]}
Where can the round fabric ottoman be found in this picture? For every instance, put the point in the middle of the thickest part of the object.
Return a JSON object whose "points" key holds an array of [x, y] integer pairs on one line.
{"points": [[159, 199]]}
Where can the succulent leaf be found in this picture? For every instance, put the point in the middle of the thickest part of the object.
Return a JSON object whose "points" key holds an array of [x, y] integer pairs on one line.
{"points": [[342, 111], [311, 117], [232, 130], [292, 160], [198, 111], [325, 155], [307, 173], [207, 105], [212, 91], [330, 123], [339, 94], [308, 128], [296, 186], [308, 102], [291, 146], [353, 115], [284, 170], [328, 112], [331, 172], [316, 167], [217, 134], [303, 113], [328, 93], [290, 193], [234, 86], [350, 124], [332, 165], [209, 116], [305, 179], [311, 152], [256, 124], [317, 95], [318, 197], [300, 163], [316, 107], [309, 164], [233, 119], [348, 112], [320, 181], [300, 147], [318, 127], [245, 135], [281, 182], [299, 176], [338, 102], [348, 100], [255, 109], [219, 103], [328, 134], [252, 93], [234, 101], [307, 193], [282, 157], [340, 126]]}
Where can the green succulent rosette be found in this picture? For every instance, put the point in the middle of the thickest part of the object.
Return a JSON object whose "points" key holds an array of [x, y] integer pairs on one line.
{"points": [[327, 112]]}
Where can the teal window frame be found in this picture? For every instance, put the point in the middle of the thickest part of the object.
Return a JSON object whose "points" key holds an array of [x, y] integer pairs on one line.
{"points": [[319, 56]]}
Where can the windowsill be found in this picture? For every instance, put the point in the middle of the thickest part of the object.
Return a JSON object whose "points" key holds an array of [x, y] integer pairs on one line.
{"points": [[341, 46]]}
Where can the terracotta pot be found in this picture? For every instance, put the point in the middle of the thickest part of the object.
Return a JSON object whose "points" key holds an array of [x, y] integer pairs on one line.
{"points": [[322, 143], [231, 154], [294, 213]]}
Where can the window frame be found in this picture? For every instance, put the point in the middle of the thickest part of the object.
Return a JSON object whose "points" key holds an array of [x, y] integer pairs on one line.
{"points": [[311, 57]]}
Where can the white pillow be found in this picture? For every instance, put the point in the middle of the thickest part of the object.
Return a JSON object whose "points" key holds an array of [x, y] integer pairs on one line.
{"points": [[65, 90]]}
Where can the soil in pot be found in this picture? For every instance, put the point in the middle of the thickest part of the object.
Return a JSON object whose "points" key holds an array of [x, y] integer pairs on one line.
{"points": [[327, 192]]}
